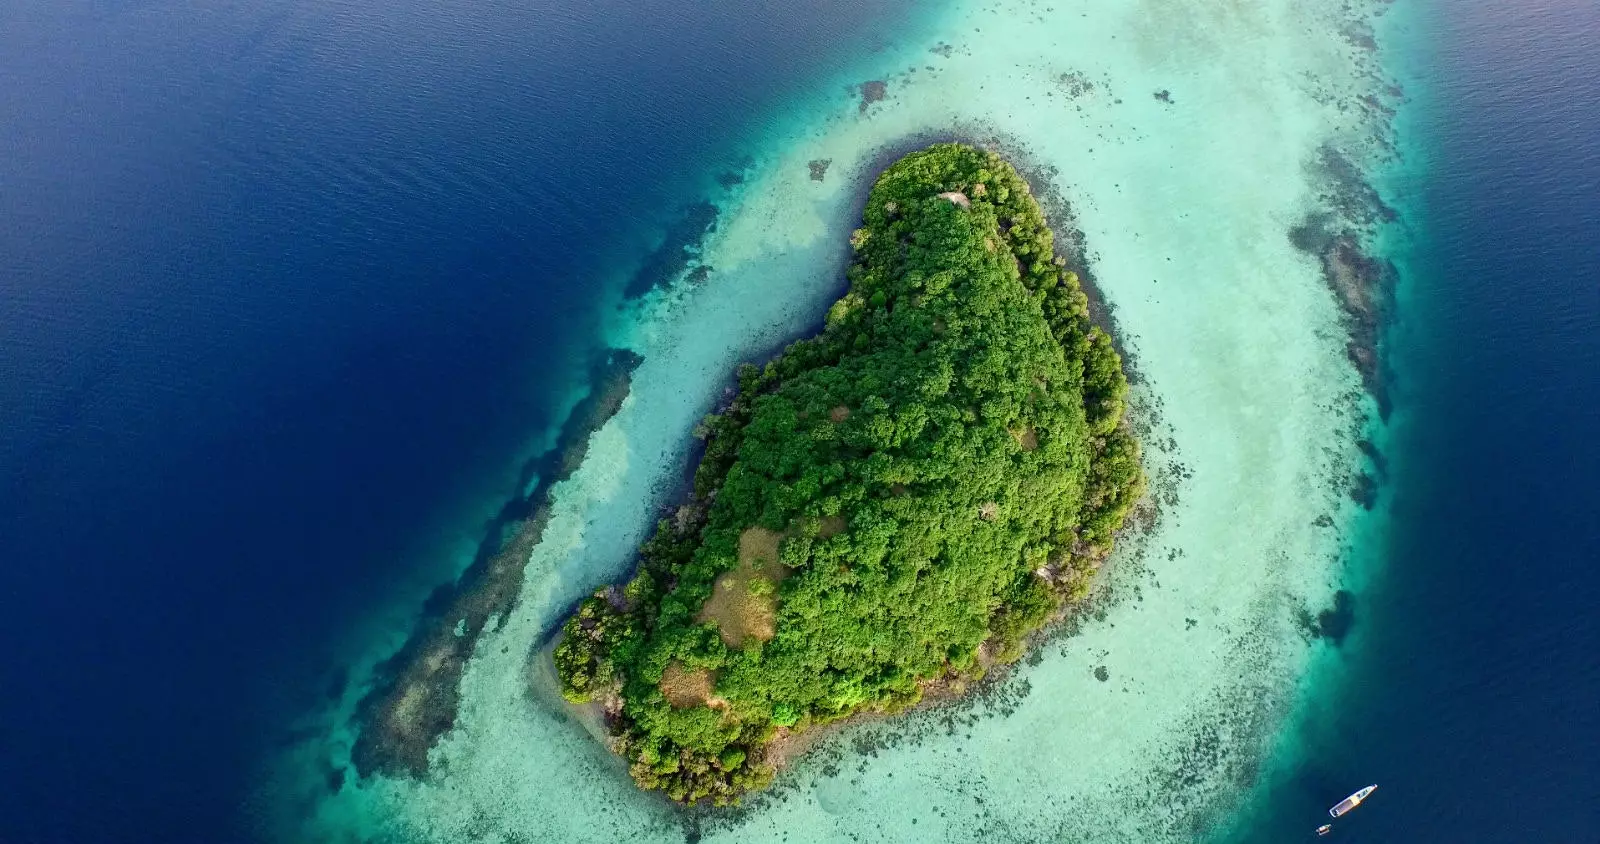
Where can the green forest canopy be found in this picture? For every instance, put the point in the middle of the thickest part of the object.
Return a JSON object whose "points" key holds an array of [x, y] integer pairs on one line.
{"points": [[899, 500]]}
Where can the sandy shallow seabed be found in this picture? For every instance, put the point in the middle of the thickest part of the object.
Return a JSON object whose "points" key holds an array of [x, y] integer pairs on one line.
{"points": [[1152, 719]]}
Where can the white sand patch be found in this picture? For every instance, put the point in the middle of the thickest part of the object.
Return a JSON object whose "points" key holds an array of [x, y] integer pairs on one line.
{"points": [[1185, 201]]}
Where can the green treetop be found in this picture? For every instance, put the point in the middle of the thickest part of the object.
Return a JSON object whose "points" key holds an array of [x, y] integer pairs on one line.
{"points": [[898, 500]]}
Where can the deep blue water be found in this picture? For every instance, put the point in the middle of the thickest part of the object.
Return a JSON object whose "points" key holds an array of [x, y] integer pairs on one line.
{"points": [[279, 283], [1477, 687], [1472, 694]]}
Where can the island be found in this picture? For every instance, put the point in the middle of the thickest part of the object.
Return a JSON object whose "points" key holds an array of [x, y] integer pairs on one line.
{"points": [[885, 512]]}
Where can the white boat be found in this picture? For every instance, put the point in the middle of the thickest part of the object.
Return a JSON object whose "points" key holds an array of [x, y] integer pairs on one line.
{"points": [[1325, 829], [1352, 801]]}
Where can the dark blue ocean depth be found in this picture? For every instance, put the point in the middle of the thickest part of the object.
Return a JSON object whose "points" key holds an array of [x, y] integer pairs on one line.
{"points": [[282, 283], [1477, 688], [1473, 688], [279, 283]]}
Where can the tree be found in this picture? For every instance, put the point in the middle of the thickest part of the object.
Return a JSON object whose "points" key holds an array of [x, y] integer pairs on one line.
{"points": [[903, 498]]}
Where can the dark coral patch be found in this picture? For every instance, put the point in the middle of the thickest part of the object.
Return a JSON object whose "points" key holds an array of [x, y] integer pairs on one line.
{"points": [[679, 248], [1334, 623], [872, 92]]}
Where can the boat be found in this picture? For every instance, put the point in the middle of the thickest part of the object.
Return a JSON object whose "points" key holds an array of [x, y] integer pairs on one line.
{"points": [[1325, 829], [1352, 801]]}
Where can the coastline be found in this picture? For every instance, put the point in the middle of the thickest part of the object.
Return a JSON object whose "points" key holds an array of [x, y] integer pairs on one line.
{"points": [[1084, 486], [1205, 285]]}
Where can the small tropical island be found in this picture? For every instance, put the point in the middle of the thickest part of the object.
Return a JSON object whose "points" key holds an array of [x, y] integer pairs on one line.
{"points": [[886, 511]]}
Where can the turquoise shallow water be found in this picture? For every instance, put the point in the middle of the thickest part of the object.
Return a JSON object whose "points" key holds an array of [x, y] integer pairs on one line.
{"points": [[1188, 142], [288, 293], [1466, 688], [294, 295], [293, 292]]}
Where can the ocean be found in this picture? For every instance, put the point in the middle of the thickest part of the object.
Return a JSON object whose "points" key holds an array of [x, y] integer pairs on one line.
{"points": [[1528, 652], [289, 292], [293, 298], [1468, 686]]}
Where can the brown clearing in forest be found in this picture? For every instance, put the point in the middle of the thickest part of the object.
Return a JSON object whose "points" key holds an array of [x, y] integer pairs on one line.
{"points": [[744, 602], [1027, 437], [688, 687]]}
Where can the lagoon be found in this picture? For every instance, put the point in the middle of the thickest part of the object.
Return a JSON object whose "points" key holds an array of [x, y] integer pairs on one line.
{"points": [[297, 298], [1185, 161]]}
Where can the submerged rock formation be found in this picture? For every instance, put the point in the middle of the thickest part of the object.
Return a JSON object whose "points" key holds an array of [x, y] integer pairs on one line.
{"points": [[888, 508]]}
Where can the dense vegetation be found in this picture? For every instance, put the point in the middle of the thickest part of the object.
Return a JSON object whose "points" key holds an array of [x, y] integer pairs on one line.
{"points": [[895, 502]]}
